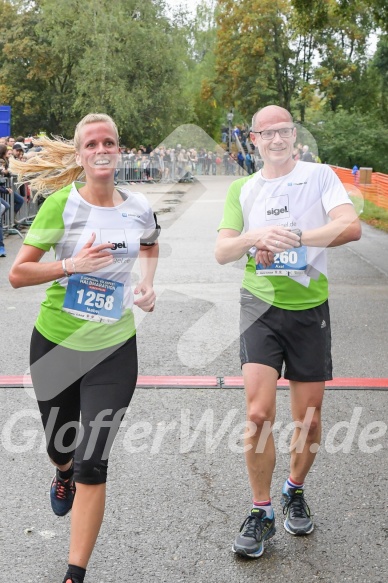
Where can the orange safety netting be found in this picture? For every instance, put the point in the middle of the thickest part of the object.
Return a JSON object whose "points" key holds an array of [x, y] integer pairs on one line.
{"points": [[373, 187]]}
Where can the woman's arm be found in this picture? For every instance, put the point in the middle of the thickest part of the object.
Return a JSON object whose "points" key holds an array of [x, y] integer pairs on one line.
{"points": [[26, 269], [148, 258]]}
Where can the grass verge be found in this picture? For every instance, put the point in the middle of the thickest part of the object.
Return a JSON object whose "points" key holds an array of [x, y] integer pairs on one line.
{"points": [[374, 215]]}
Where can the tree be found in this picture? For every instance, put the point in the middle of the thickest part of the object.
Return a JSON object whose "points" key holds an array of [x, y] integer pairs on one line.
{"points": [[342, 52], [125, 62], [380, 63], [131, 67], [287, 52], [21, 54], [346, 138], [255, 56], [377, 8], [200, 91]]}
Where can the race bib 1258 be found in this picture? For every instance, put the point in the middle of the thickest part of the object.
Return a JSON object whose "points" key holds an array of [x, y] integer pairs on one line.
{"points": [[93, 298]]}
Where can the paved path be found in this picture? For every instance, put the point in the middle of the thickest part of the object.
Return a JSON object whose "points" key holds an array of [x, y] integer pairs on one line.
{"points": [[178, 489]]}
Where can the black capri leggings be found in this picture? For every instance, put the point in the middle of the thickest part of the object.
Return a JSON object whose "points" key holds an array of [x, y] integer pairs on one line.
{"points": [[82, 397]]}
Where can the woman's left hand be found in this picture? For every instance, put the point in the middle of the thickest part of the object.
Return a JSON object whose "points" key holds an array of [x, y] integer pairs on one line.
{"points": [[147, 300]]}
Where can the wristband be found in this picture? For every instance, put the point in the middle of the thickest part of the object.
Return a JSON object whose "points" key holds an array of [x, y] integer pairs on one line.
{"points": [[64, 268]]}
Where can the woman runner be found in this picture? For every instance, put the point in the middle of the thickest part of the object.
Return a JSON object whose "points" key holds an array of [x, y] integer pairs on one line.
{"points": [[83, 350]]}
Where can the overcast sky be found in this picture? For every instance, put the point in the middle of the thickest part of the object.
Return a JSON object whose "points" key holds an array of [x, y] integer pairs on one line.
{"points": [[187, 3]]}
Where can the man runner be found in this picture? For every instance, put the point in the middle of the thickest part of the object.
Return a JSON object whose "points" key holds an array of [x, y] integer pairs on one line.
{"points": [[283, 217]]}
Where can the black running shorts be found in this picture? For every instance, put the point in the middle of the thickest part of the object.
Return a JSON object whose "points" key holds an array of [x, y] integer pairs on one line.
{"points": [[298, 339]]}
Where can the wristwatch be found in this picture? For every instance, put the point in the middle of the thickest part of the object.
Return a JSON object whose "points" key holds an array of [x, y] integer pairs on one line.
{"points": [[299, 233]]}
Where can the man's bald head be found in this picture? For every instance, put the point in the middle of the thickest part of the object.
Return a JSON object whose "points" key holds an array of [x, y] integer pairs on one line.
{"points": [[270, 115]]}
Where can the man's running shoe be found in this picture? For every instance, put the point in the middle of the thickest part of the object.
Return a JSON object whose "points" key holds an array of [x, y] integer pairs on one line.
{"points": [[62, 494], [2, 251], [298, 516], [255, 529]]}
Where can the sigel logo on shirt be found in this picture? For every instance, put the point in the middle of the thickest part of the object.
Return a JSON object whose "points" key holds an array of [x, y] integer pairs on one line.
{"points": [[118, 238], [121, 245], [277, 206]]}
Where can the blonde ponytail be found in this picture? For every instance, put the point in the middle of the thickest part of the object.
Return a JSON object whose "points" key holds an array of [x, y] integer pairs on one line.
{"points": [[50, 169]]}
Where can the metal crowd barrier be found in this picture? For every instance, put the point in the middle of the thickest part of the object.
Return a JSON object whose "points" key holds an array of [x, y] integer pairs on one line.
{"points": [[146, 169], [29, 210], [150, 169], [13, 222]]}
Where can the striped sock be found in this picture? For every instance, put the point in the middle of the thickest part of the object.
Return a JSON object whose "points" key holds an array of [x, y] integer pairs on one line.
{"points": [[265, 505], [290, 483]]}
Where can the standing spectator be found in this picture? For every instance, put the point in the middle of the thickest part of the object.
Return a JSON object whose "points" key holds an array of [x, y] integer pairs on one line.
{"points": [[356, 175], [240, 162], [154, 165], [193, 157], [167, 165], [236, 133], [3, 252], [18, 151], [5, 172], [137, 174], [225, 161], [249, 163], [214, 163], [183, 161], [91, 345], [208, 162], [201, 161], [218, 163], [174, 163], [307, 156], [145, 168], [285, 319], [4, 207]]}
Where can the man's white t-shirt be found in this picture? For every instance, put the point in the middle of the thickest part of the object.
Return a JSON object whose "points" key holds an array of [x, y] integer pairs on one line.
{"points": [[301, 199]]}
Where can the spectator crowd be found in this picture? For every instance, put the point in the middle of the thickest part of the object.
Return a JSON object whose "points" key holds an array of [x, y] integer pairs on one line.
{"points": [[148, 164]]}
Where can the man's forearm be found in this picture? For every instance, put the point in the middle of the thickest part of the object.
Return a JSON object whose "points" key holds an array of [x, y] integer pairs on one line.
{"points": [[333, 234], [233, 248]]}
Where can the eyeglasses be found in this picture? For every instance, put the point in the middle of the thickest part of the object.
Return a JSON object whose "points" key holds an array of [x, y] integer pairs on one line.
{"points": [[270, 134]]}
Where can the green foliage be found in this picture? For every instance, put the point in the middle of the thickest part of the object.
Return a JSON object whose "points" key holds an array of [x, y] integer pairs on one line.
{"points": [[255, 54], [380, 65], [61, 59], [200, 90], [285, 52], [377, 8], [348, 138], [119, 57]]}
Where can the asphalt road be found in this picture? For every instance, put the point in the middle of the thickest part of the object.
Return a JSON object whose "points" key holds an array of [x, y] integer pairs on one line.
{"points": [[177, 489]]}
